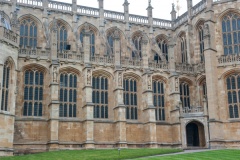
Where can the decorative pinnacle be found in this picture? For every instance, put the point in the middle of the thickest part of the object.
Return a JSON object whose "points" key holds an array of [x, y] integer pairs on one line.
{"points": [[178, 7]]}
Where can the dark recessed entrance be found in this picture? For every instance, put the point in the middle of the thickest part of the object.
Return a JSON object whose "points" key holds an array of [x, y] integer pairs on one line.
{"points": [[192, 135]]}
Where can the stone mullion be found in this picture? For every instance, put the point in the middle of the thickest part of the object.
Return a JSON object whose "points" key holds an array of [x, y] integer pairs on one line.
{"points": [[149, 116], [119, 111], [53, 123], [1, 83], [117, 51], [88, 124], [87, 45]]}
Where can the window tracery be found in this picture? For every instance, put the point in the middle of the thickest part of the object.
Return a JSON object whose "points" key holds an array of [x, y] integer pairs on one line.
{"points": [[130, 98], [163, 45], [68, 95], [91, 40], [33, 93], [231, 33], [159, 100], [233, 92], [201, 41], [100, 97], [28, 33], [137, 41], [183, 43], [62, 36], [5, 86], [185, 94]]}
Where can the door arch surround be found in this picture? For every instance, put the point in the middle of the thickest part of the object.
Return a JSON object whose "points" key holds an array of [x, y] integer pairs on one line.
{"points": [[195, 134]]}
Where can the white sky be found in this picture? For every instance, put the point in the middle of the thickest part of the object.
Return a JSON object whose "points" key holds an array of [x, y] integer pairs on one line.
{"points": [[162, 8]]}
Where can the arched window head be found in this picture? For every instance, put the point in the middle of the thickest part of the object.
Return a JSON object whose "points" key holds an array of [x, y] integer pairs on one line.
{"points": [[68, 95], [100, 97], [183, 47], [130, 98], [159, 100], [62, 36], [185, 95], [137, 42], [233, 95], [163, 45], [4, 22], [28, 33], [231, 33], [201, 41], [91, 39], [33, 93], [5, 86]]}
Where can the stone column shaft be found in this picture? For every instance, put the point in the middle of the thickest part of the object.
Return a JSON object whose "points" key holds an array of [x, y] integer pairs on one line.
{"points": [[117, 51], [120, 111], [88, 109], [86, 42], [53, 107], [149, 112]]}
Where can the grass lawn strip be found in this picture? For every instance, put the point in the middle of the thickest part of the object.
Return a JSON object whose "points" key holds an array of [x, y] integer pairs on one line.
{"points": [[207, 155], [111, 154]]}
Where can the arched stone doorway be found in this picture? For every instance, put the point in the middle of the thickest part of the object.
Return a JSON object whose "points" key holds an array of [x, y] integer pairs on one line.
{"points": [[195, 134]]}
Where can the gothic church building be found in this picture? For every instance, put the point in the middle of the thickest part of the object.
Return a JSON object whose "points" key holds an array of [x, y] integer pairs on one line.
{"points": [[76, 77]]}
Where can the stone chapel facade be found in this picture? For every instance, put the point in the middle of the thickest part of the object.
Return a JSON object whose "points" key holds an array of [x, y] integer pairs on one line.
{"points": [[75, 77]]}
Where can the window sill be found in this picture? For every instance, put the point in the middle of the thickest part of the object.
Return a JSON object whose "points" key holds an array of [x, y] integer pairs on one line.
{"points": [[7, 113]]}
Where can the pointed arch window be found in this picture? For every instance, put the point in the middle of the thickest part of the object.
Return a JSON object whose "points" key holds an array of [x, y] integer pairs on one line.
{"points": [[100, 97], [137, 41], [33, 93], [185, 95], [201, 42], [130, 98], [163, 45], [91, 40], [68, 95], [159, 100], [28, 33], [62, 36], [233, 92], [231, 33], [110, 39], [5, 86], [183, 42]]}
